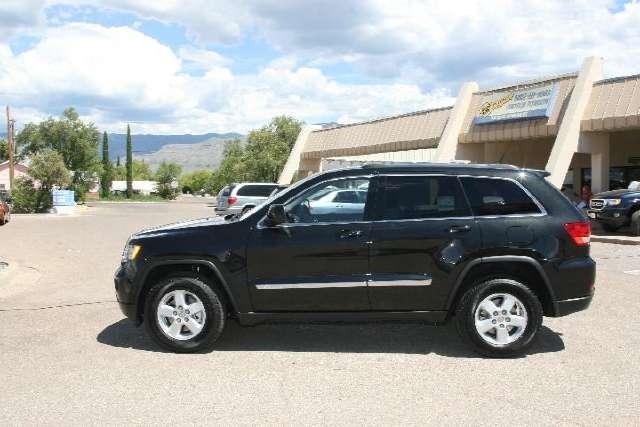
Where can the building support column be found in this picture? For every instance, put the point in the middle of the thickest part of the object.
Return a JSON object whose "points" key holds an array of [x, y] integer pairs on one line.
{"points": [[597, 145], [293, 162], [448, 144], [567, 140]]}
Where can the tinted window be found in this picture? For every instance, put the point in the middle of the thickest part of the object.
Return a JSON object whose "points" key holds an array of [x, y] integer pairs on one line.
{"points": [[256, 190], [342, 200], [497, 197], [415, 197]]}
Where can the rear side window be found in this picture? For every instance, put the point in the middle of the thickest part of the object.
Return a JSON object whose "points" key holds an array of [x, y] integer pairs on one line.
{"points": [[256, 190], [415, 197], [226, 191], [490, 196]]}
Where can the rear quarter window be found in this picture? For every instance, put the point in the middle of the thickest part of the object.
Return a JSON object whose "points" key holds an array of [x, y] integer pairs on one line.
{"points": [[495, 196], [226, 191], [256, 190]]}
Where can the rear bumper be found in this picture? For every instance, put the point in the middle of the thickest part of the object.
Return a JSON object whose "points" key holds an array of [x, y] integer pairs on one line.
{"points": [[572, 285], [226, 211], [573, 305]]}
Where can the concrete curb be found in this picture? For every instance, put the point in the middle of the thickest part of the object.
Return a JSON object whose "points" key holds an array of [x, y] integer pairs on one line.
{"points": [[616, 240]]}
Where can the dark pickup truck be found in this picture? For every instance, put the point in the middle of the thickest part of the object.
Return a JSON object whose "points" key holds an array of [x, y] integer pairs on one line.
{"points": [[617, 208]]}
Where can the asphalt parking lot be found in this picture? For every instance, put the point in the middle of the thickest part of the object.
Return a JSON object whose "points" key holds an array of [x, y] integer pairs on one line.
{"points": [[68, 357]]}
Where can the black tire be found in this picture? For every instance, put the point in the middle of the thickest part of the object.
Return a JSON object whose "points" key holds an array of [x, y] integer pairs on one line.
{"points": [[214, 309], [610, 228], [635, 223], [466, 311]]}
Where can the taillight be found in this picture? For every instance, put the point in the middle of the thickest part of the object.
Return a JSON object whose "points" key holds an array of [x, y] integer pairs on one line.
{"points": [[231, 200], [580, 232]]}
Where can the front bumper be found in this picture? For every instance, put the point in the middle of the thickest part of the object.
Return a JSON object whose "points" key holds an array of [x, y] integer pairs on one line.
{"points": [[616, 217], [125, 294]]}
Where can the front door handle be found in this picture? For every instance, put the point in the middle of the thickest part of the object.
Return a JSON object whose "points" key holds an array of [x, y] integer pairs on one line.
{"points": [[459, 228], [349, 234]]}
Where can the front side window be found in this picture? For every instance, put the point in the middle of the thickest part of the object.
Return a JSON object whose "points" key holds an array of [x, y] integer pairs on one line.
{"points": [[417, 197], [341, 200], [489, 196]]}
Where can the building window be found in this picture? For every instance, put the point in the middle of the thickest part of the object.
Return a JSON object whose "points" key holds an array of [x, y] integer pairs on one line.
{"points": [[619, 176]]}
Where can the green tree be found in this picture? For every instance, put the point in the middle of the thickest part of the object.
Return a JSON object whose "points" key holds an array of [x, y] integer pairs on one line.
{"points": [[119, 173], [4, 150], [107, 168], [141, 171], [196, 181], [167, 177], [48, 169], [76, 141], [268, 148], [118, 162], [129, 164], [231, 168]]}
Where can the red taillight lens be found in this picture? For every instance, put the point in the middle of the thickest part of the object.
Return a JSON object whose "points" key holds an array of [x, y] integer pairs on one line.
{"points": [[231, 200], [580, 232]]}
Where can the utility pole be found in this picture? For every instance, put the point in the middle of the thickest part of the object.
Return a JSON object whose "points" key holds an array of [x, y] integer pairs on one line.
{"points": [[10, 146]]}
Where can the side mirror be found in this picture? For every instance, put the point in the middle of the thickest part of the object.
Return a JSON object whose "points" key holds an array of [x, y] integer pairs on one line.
{"points": [[276, 215]]}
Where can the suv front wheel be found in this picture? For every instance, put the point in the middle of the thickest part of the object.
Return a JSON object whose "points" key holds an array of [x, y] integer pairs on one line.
{"points": [[499, 317], [184, 314]]}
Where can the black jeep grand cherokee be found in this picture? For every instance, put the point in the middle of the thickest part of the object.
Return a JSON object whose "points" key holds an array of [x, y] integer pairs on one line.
{"points": [[493, 247]]}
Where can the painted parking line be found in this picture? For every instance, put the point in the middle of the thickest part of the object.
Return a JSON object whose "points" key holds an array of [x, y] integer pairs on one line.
{"points": [[632, 272]]}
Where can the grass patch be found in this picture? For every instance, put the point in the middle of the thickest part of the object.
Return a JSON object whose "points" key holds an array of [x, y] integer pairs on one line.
{"points": [[134, 198]]}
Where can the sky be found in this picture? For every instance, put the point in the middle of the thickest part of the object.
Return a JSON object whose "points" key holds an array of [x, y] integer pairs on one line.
{"points": [[198, 66]]}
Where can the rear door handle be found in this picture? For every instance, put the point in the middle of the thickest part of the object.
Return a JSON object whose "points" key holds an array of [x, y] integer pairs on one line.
{"points": [[349, 234], [459, 228]]}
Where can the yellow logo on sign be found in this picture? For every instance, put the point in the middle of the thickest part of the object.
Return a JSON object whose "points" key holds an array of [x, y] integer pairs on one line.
{"points": [[490, 106]]}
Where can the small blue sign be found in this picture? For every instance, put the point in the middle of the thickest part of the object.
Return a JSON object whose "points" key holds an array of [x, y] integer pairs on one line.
{"points": [[63, 198]]}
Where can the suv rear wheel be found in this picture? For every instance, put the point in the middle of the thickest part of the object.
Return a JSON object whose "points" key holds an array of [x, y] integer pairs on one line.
{"points": [[184, 314], [499, 317]]}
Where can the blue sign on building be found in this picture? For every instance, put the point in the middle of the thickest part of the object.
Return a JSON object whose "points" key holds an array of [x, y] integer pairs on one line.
{"points": [[537, 102]]}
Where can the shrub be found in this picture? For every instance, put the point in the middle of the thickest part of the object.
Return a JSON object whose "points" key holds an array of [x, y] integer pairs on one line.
{"points": [[27, 199]]}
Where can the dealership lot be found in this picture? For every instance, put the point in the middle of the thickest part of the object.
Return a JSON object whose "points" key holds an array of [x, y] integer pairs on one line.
{"points": [[67, 355]]}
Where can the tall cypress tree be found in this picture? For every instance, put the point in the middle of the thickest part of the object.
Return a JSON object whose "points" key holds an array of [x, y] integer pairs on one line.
{"points": [[129, 164], [107, 172], [118, 162]]}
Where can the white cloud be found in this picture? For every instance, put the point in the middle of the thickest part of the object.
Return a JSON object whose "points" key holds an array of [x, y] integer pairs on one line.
{"points": [[117, 75], [417, 53]]}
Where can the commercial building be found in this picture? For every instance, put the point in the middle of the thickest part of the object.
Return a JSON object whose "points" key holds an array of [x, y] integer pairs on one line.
{"points": [[581, 128]]}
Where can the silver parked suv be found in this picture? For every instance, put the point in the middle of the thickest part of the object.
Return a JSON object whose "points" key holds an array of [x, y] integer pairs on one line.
{"points": [[233, 198]]}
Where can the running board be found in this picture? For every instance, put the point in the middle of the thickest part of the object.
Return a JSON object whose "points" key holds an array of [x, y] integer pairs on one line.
{"points": [[434, 317]]}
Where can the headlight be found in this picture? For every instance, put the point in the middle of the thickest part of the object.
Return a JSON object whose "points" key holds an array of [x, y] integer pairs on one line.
{"points": [[613, 202], [130, 252]]}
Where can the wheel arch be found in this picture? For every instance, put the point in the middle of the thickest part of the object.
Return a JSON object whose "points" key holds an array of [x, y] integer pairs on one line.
{"points": [[202, 269], [522, 268]]}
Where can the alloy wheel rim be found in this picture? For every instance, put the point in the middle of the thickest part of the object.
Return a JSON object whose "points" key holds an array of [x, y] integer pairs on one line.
{"points": [[500, 319], [181, 315]]}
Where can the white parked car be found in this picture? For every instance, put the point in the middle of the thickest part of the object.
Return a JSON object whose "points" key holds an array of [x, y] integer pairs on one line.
{"points": [[344, 202], [235, 197]]}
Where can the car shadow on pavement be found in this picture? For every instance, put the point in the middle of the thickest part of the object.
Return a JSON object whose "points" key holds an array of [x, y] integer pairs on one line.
{"points": [[409, 338]]}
